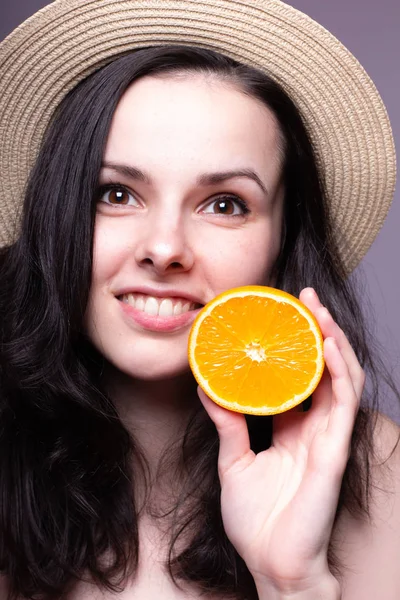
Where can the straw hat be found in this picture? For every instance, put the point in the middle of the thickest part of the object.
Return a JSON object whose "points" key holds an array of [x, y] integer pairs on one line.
{"points": [[69, 39]]}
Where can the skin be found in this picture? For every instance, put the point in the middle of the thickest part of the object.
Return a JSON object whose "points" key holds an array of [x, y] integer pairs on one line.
{"points": [[169, 235]]}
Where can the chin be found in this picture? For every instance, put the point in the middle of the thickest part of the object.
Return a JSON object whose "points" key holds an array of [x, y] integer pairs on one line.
{"points": [[153, 370]]}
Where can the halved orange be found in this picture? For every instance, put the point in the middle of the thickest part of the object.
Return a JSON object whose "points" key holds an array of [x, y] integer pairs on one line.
{"points": [[256, 350]]}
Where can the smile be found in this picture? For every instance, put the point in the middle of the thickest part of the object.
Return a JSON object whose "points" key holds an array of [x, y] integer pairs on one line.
{"points": [[161, 307]]}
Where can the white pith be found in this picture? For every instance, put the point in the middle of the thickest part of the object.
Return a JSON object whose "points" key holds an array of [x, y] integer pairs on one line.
{"points": [[162, 307], [256, 352]]}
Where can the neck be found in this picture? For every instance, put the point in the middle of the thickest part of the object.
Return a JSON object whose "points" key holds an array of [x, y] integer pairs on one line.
{"points": [[155, 413]]}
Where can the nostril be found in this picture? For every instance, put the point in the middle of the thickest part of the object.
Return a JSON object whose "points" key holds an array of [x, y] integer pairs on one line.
{"points": [[176, 265]]}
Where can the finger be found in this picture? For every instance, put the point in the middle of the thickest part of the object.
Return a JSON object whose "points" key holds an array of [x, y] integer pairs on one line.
{"points": [[321, 405], [329, 456], [345, 401], [234, 448], [330, 328], [309, 297]]}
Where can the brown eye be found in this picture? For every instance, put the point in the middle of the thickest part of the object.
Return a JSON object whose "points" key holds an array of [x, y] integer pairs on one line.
{"points": [[224, 207], [229, 206], [116, 196]]}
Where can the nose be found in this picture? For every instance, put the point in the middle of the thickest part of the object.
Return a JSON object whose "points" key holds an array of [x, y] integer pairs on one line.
{"points": [[163, 245]]}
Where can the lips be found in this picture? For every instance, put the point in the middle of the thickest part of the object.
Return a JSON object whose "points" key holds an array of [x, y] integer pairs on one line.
{"points": [[158, 310]]}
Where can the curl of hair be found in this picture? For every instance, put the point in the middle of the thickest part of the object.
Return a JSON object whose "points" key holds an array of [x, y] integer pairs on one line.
{"points": [[67, 505]]}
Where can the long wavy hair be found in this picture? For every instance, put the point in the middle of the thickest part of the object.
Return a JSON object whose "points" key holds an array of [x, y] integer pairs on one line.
{"points": [[66, 477]]}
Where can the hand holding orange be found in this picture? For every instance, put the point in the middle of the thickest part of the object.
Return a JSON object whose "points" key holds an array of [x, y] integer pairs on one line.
{"points": [[256, 350], [278, 505]]}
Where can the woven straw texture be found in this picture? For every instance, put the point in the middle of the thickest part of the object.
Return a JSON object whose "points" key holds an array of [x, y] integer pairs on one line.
{"points": [[64, 42]]}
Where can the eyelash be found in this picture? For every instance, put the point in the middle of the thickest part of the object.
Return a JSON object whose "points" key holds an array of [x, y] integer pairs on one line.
{"points": [[120, 188], [103, 189], [233, 198]]}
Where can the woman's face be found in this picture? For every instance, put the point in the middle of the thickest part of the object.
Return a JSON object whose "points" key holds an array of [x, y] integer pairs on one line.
{"points": [[191, 205]]}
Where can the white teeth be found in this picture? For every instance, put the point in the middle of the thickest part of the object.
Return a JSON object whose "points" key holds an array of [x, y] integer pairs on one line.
{"points": [[166, 308], [178, 308], [151, 307], [163, 307], [129, 299], [139, 303]]}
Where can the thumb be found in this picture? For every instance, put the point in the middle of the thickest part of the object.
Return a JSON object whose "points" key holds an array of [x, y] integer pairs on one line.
{"points": [[234, 442]]}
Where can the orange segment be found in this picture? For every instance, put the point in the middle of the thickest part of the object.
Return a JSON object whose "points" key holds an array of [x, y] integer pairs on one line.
{"points": [[256, 350]]}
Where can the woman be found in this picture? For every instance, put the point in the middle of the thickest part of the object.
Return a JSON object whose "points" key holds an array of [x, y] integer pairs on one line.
{"points": [[165, 177]]}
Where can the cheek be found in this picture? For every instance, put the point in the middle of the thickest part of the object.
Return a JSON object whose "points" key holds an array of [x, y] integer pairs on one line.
{"points": [[243, 259], [109, 249]]}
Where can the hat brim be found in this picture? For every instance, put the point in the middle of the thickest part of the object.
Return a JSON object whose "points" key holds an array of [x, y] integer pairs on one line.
{"points": [[44, 58]]}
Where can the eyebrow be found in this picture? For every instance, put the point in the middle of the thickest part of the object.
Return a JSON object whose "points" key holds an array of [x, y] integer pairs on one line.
{"points": [[205, 179]]}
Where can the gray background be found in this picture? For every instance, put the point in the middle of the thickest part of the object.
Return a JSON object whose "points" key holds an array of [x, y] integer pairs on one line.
{"points": [[371, 30]]}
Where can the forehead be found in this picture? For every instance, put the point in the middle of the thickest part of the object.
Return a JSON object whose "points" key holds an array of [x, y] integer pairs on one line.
{"points": [[193, 115]]}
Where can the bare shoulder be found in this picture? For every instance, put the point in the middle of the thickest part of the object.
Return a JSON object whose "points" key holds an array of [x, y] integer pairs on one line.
{"points": [[370, 551]]}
